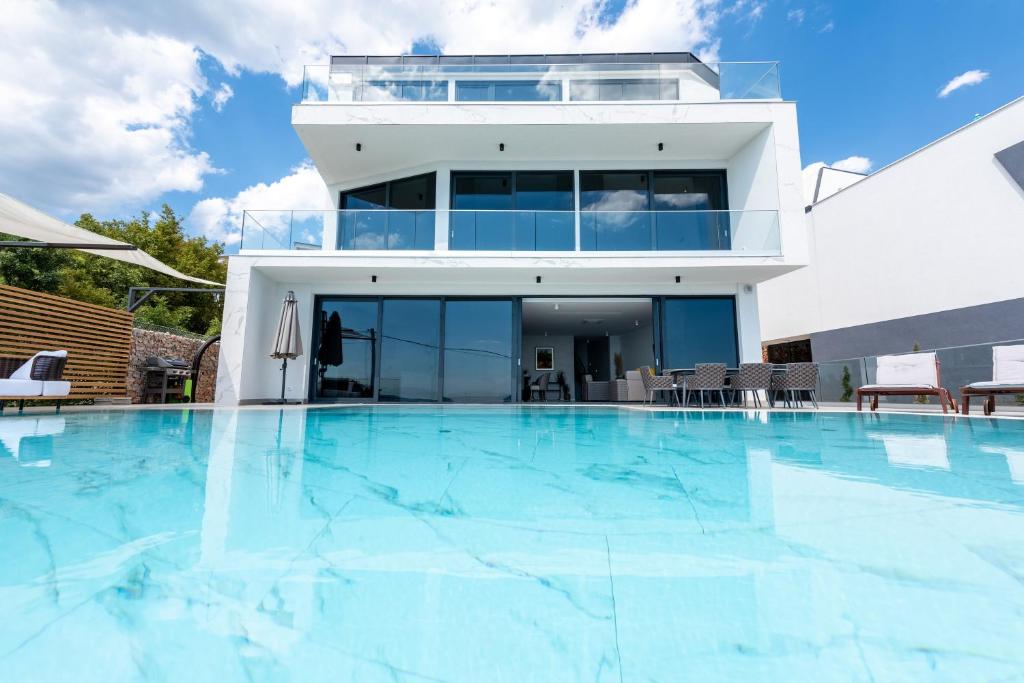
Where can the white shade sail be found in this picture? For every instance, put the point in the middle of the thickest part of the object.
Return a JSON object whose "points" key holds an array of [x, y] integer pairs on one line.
{"points": [[18, 218]]}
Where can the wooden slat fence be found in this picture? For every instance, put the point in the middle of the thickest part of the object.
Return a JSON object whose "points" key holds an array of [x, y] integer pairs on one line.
{"points": [[98, 340]]}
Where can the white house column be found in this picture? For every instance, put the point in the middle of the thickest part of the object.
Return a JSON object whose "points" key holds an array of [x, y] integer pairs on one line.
{"points": [[748, 324], [442, 193]]}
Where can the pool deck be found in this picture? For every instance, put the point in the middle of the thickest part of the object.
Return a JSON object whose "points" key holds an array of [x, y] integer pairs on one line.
{"points": [[1003, 412]]}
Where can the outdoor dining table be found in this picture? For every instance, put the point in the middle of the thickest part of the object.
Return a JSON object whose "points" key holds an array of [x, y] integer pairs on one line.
{"points": [[681, 373]]}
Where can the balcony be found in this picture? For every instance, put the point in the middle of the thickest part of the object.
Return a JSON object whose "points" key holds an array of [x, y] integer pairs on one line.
{"points": [[438, 80], [683, 233]]}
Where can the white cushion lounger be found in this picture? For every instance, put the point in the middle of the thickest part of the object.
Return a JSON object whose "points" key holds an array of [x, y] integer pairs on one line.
{"points": [[910, 374], [1007, 378], [21, 386]]}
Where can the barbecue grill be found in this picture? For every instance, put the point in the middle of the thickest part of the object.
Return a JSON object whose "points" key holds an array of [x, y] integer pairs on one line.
{"points": [[164, 379]]}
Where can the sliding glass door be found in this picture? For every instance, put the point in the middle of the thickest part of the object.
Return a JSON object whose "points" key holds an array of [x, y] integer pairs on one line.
{"points": [[345, 350], [410, 350], [478, 347], [414, 349]]}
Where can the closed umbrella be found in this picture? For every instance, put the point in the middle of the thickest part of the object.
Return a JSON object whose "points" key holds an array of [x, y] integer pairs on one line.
{"points": [[287, 339], [330, 352]]}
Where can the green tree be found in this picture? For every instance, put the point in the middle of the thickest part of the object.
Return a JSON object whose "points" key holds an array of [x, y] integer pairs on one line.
{"points": [[35, 269], [103, 281]]}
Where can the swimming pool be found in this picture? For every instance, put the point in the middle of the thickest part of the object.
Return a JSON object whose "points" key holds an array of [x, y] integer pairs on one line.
{"points": [[510, 544]]}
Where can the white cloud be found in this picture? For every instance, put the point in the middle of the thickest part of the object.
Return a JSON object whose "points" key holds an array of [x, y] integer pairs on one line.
{"points": [[93, 117], [809, 175], [280, 36], [972, 77], [828, 27], [221, 96], [796, 16], [220, 218], [853, 164], [97, 97]]}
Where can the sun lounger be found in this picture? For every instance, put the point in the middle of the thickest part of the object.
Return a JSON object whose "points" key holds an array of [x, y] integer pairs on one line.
{"points": [[911, 374], [1007, 378], [34, 379]]}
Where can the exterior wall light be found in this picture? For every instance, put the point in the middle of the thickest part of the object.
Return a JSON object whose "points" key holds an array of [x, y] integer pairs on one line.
{"points": [[359, 147], [538, 279], [661, 146], [373, 278], [501, 146], [678, 279]]}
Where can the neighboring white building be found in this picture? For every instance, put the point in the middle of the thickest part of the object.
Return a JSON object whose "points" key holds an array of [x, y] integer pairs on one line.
{"points": [[928, 251], [501, 215]]}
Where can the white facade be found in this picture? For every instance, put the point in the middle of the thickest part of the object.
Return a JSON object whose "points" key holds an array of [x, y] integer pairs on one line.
{"points": [[939, 230], [754, 141]]}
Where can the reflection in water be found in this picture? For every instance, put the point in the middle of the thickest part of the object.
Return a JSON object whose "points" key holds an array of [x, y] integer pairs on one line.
{"points": [[511, 543], [27, 439]]}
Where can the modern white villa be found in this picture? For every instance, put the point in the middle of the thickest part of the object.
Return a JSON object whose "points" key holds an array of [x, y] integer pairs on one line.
{"points": [[508, 221]]}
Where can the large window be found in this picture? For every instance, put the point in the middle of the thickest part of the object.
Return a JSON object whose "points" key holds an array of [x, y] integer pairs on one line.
{"points": [[392, 348], [410, 349], [523, 211], [394, 215], [663, 210], [478, 351], [387, 91], [345, 345], [699, 330], [508, 91], [611, 90]]}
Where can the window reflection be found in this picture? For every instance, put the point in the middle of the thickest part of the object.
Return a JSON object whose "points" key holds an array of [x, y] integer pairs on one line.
{"points": [[699, 330], [346, 339], [410, 349], [508, 91], [407, 224], [478, 351]]}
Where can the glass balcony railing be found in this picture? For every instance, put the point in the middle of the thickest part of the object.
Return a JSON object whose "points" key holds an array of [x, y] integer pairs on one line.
{"points": [[476, 83], [709, 233], [679, 231]]}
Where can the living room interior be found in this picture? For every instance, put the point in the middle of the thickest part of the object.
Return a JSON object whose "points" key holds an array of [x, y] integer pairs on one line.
{"points": [[588, 348]]}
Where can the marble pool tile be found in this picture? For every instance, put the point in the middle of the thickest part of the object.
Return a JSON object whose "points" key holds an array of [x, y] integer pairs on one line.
{"points": [[510, 544]]}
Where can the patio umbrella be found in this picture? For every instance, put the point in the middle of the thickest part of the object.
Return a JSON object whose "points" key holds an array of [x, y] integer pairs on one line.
{"points": [[287, 339], [330, 352]]}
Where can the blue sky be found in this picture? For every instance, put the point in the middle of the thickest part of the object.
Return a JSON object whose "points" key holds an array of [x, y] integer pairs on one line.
{"points": [[866, 77]]}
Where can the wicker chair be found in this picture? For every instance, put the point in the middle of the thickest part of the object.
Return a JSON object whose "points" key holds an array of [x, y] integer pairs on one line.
{"points": [[44, 380], [654, 383], [752, 377], [706, 377], [799, 377]]}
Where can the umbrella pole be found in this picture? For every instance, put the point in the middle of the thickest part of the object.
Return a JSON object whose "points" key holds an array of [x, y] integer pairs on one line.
{"points": [[284, 377]]}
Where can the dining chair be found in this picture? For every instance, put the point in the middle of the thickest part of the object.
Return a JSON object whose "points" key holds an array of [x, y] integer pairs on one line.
{"points": [[706, 377]]}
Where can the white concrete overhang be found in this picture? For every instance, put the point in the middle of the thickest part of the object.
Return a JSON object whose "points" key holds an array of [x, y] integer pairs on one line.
{"points": [[498, 271], [395, 136]]}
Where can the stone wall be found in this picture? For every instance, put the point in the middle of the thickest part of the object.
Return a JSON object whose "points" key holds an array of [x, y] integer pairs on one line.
{"points": [[146, 343]]}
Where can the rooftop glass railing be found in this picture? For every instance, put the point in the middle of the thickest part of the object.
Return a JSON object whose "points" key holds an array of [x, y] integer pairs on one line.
{"points": [[696, 233], [675, 82]]}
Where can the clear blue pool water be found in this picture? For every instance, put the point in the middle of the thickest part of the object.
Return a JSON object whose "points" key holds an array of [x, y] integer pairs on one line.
{"points": [[505, 544]]}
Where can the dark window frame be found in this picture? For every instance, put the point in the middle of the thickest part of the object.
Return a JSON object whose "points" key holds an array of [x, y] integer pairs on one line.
{"points": [[721, 174], [492, 87], [320, 299], [513, 186], [386, 84], [431, 198], [513, 193], [661, 83]]}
